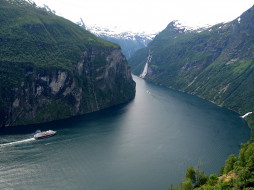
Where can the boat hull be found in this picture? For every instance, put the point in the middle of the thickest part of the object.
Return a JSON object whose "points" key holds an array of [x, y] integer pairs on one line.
{"points": [[44, 134]]}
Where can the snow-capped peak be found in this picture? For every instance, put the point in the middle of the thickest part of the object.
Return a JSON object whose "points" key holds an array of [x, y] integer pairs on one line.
{"points": [[187, 27], [115, 32], [129, 41]]}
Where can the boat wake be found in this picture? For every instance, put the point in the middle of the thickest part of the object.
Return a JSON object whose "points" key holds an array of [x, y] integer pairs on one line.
{"points": [[17, 142]]}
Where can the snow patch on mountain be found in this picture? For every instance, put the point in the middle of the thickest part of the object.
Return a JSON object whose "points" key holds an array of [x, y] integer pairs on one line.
{"points": [[185, 27], [117, 33], [239, 20], [129, 41], [81, 23]]}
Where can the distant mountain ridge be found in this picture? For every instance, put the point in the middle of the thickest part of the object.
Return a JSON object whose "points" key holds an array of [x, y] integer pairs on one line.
{"points": [[130, 42], [216, 63]]}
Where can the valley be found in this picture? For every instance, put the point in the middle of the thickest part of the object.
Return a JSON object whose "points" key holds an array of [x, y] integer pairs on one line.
{"points": [[215, 63], [132, 110]]}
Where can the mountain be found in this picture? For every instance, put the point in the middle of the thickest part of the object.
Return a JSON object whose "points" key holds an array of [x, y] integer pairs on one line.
{"points": [[51, 69], [130, 42], [216, 63]]}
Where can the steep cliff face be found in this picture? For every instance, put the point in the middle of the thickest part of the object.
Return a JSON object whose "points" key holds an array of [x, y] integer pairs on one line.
{"points": [[58, 71]]}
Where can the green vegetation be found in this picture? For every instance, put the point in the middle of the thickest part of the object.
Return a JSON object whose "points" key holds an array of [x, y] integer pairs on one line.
{"points": [[32, 38], [51, 111], [49, 67], [215, 64], [238, 173], [30, 34], [193, 179]]}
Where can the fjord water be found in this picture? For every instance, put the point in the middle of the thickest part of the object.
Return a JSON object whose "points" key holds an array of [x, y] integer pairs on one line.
{"points": [[145, 144]]}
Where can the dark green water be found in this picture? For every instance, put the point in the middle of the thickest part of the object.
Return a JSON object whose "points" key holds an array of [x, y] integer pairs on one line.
{"points": [[145, 144]]}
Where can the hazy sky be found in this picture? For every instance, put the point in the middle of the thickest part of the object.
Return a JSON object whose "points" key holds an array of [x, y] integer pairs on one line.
{"points": [[148, 15]]}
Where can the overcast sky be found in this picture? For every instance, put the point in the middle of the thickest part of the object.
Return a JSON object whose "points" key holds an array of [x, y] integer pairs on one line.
{"points": [[148, 15]]}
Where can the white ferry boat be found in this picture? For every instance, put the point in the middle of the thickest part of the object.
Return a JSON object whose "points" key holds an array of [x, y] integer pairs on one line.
{"points": [[44, 134]]}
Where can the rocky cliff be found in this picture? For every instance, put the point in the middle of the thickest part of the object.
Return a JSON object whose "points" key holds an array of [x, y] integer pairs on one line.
{"points": [[51, 69]]}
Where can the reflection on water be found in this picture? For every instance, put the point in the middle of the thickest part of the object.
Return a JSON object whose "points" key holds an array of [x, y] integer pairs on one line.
{"points": [[145, 144]]}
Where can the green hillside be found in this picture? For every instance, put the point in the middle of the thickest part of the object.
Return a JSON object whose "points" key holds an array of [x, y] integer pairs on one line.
{"points": [[48, 62], [216, 64], [40, 33]]}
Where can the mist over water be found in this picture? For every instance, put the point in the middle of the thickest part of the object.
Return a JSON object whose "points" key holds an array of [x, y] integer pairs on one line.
{"points": [[145, 144]]}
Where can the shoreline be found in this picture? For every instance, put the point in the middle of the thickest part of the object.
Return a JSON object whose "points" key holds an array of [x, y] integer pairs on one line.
{"points": [[243, 116]]}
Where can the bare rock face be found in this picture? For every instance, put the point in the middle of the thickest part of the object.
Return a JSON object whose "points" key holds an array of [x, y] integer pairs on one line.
{"points": [[99, 80], [58, 83]]}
